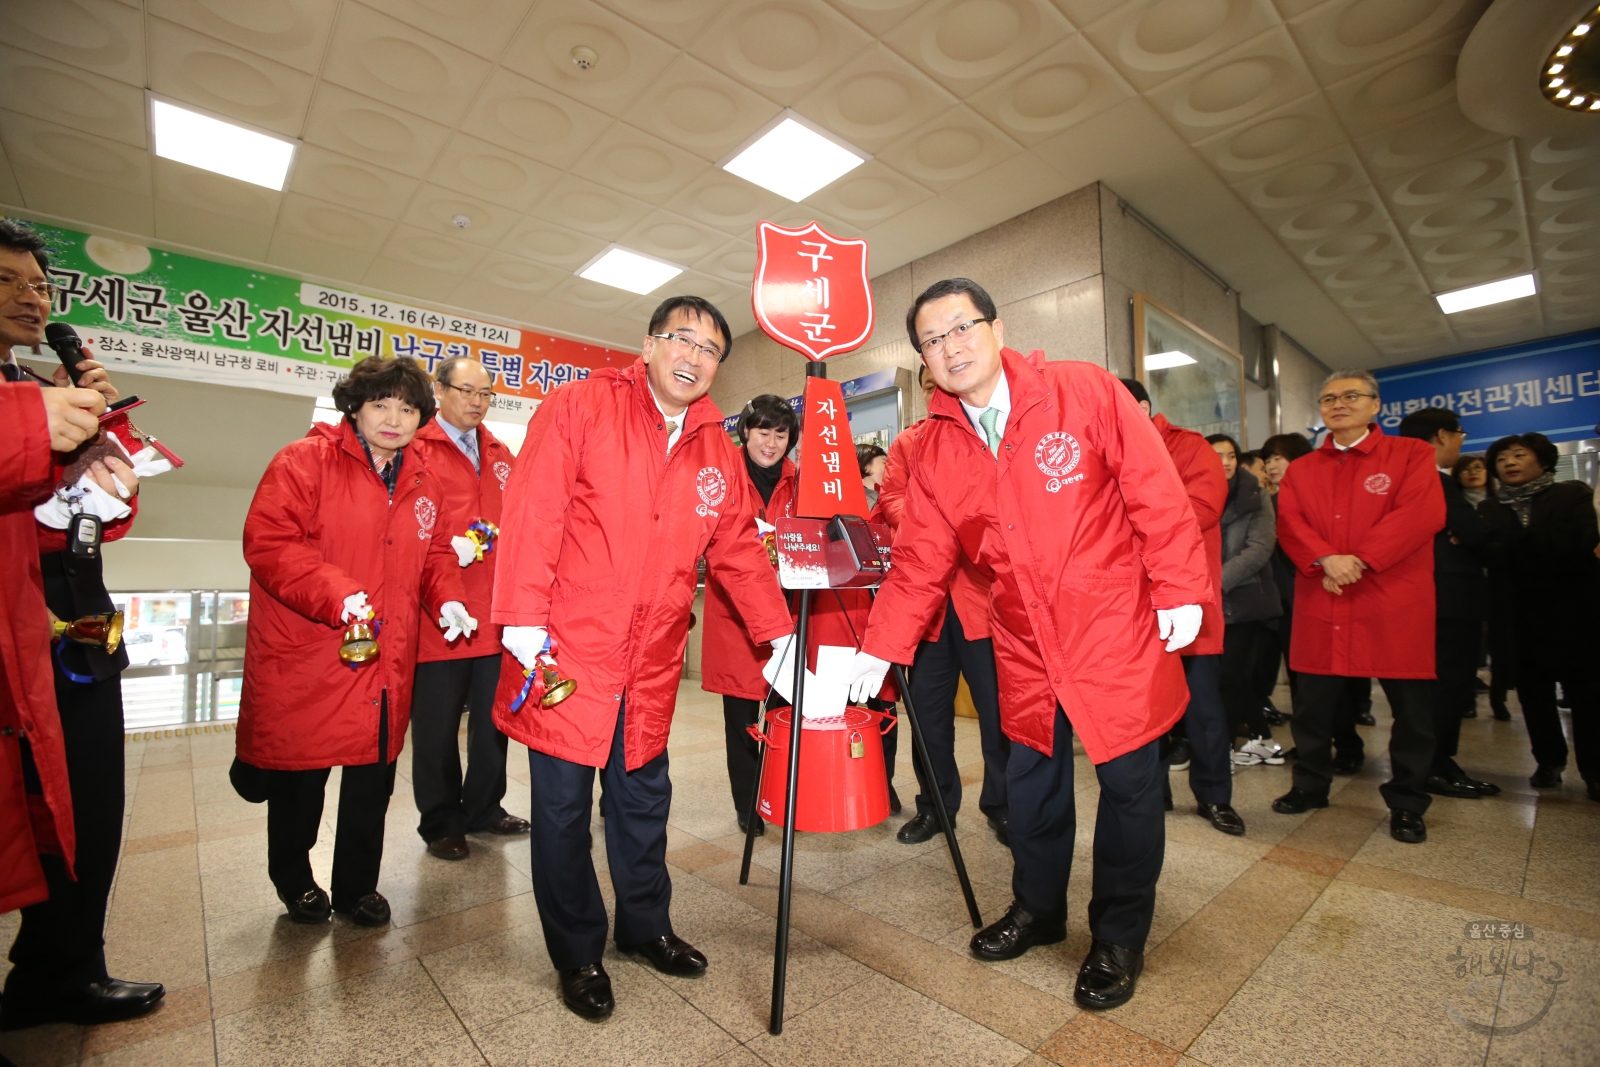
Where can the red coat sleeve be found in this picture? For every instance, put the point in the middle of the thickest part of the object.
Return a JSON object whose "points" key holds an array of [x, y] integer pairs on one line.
{"points": [[1300, 540], [740, 566], [926, 553], [534, 514], [277, 545], [1207, 485], [1417, 514], [27, 475], [896, 476]]}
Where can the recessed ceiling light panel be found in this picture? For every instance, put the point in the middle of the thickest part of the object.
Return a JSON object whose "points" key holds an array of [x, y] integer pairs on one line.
{"points": [[793, 157], [1477, 296], [623, 268], [1167, 360], [185, 135]]}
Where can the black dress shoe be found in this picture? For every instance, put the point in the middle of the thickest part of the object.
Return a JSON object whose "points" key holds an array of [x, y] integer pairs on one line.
{"points": [[453, 847], [1274, 716], [370, 910], [1166, 802], [1488, 789], [1001, 834], [1294, 802], [1407, 826], [311, 907], [919, 828], [1108, 976], [744, 825], [509, 826], [1470, 713], [1223, 817], [1501, 712], [1545, 778], [586, 991], [1016, 932], [894, 802], [1365, 718], [1447, 787], [1348, 763], [671, 954], [108, 1001]]}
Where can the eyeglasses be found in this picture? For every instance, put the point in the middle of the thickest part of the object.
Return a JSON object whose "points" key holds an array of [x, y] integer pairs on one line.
{"points": [[685, 343], [469, 393], [15, 286], [1344, 398], [934, 345]]}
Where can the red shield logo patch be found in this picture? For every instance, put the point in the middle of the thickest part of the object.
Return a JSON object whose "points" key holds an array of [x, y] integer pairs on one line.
{"points": [[811, 291]]}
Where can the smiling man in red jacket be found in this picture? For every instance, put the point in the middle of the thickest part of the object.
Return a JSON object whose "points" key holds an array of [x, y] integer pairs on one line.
{"points": [[1049, 476], [1357, 518], [625, 480]]}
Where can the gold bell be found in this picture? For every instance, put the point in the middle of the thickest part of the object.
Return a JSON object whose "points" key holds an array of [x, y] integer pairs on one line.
{"points": [[360, 643], [101, 631], [557, 686]]}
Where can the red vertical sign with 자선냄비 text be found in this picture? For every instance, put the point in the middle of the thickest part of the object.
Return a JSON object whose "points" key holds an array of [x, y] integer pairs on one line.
{"points": [[830, 480]]}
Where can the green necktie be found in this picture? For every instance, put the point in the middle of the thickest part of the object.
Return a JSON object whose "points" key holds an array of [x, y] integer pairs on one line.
{"points": [[986, 420]]}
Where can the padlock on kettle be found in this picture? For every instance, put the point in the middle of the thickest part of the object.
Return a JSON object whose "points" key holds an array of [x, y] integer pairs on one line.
{"points": [[858, 748]]}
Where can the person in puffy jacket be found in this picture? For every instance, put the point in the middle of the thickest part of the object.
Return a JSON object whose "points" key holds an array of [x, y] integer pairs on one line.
{"points": [[1249, 598], [343, 527]]}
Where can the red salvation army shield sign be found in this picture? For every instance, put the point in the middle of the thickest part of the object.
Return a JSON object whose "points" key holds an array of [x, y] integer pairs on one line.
{"points": [[811, 291]]}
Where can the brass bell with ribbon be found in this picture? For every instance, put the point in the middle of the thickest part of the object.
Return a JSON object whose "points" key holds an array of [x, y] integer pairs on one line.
{"points": [[359, 644], [544, 680], [102, 631]]}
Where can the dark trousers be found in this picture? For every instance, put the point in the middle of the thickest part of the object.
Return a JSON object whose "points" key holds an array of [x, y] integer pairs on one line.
{"points": [[1542, 661], [61, 944], [1272, 649], [450, 805], [636, 804], [1455, 691], [294, 814], [1206, 725], [1316, 704], [1353, 700], [935, 680], [1241, 699], [1130, 836]]}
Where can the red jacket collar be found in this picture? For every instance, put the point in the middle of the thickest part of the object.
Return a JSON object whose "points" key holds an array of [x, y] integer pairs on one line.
{"points": [[1023, 377], [1163, 427], [1365, 445]]}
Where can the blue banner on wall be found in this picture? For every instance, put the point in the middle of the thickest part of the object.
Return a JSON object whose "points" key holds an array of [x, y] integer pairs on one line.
{"points": [[1550, 387]]}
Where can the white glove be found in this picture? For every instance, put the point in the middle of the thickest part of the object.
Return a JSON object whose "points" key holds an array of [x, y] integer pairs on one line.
{"points": [[57, 512], [778, 666], [466, 550], [524, 642], [454, 620], [355, 607], [1181, 624], [865, 677]]}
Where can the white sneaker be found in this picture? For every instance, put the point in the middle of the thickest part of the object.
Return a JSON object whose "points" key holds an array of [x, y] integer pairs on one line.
{"points": [[1241, 758], [1265, 750]]}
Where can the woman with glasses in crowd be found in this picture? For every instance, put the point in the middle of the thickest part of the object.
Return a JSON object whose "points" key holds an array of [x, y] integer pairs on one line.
{"points": [[1277, 452]]}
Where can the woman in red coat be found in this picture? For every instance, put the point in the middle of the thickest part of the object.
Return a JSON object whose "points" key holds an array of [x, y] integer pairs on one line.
{"points": [[344, 526]]}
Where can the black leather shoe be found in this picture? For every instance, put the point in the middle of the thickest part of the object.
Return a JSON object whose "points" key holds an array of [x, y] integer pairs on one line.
{"points": [[744, 825], [1501, 712], [1445, 787], [671, 954], [370, 910], [1488, 789], [919, 828], [1015, 933], [1223, 817], [1166, 802], [1470, 713], [586, 991], [1295, 802], [1545, 778], [1001, 834], [894, 802], [1348, 763], [453, 847], [310, 907], [109, 1001], [1365, 718], [1274, 716], [1108, 976], [509, 826], [1407, 826]]}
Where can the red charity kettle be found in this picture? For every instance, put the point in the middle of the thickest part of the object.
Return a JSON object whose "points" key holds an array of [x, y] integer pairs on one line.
{"points": [[843, 784]]}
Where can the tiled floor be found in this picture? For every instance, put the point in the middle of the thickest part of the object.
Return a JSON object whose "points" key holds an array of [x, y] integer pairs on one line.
{"points": [[1314, 939]]}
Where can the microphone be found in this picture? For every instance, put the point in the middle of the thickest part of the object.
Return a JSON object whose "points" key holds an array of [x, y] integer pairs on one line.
{"points": [[68, 347]]}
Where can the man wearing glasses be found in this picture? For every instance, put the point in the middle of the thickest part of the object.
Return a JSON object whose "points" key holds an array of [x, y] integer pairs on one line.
{"points": [[1357, 518], [626, 479], [1049, 476], [473, 466]]}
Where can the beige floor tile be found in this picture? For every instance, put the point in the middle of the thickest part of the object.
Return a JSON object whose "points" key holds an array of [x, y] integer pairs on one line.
{"points": [[1549, 1009], [241, 940], [1564, 863], [494, 977], [923, 901], [1481, 843], [339, 960], [155, 927], [191, 1046], [54, 1045], [1092, 1040], [1572, 921], [458, 1050]]}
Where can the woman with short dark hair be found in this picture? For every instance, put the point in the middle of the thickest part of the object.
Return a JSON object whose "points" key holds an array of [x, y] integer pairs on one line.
{"points": [[1473, 475], [1546, 583], [871, 460], [1277, 452], [343, 529]]}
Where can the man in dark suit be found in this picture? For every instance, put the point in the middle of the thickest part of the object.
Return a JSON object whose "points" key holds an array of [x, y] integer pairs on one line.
{"points": [[1463, 603]]}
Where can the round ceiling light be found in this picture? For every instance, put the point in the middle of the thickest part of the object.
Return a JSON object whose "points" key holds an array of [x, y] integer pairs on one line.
{"points": [[1570, 78]]}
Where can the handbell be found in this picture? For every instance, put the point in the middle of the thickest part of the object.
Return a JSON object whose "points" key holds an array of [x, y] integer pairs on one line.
{"points": [[360, 643], [557, 686], [102, 631]]}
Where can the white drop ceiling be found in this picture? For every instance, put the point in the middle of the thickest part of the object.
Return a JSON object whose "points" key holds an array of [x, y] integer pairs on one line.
{"points": [[1313, 153]]}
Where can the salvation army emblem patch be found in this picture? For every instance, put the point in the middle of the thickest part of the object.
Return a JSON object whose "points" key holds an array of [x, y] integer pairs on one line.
{"points": [[1056, 455], [712, 487], [502, 471], [427, 514], [1377, 484]]}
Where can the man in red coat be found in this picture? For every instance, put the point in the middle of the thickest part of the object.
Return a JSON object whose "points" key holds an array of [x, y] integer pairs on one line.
{"points": [[473, 466], [1049, 476], [1357, 519], [625, 480], [1205, 721]]}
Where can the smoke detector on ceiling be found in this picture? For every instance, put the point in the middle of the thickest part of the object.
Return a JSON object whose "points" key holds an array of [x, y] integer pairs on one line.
{"points": [[461, 221], [584, 57]]}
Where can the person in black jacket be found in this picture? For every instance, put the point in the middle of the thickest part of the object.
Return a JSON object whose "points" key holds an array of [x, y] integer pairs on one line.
{"points": [[1277, 452], [1546, 583], [1462, 595]]}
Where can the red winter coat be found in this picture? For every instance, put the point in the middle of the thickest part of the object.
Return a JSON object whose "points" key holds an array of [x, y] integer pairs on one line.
{"points": [[1380, 501], [1087, 530], [1201, 470], [970, 590], [322, 527], [469, 496], [32, 824], [601, 533]]}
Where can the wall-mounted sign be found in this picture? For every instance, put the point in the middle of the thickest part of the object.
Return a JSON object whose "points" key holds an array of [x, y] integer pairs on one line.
{"points": [[1550, 387], [184, 317]]}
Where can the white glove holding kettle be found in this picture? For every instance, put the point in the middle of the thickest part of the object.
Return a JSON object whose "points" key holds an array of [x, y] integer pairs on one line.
{"points": [[524, 642], [1179, 626], [355, 607], [454, 620]]}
